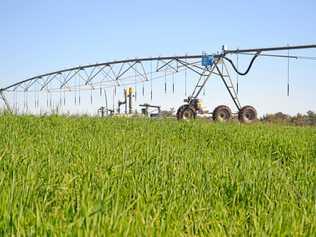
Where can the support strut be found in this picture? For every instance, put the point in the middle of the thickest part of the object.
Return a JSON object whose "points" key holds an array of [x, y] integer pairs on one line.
{"points": [[5, 101], [229, 86]]}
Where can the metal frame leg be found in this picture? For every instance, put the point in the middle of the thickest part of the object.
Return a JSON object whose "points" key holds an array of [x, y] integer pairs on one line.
{"points": [[5, 101]]}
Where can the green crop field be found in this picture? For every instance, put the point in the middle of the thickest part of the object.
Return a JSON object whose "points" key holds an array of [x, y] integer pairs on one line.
{"points": [[135, 177]]}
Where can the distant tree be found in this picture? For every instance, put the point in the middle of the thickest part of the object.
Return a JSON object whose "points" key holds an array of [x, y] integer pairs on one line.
{"points": [[276, 118], [300, 119], [311, 117]]}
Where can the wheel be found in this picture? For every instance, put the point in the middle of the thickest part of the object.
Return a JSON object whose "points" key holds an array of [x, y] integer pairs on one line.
{"points": [[179, 112], [186, 112], [247, 114], [222, 113]]}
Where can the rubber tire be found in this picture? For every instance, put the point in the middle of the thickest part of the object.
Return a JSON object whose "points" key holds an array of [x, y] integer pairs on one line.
{"points": [[179, 112], [222, 113], [184, 110], [247, 114]]}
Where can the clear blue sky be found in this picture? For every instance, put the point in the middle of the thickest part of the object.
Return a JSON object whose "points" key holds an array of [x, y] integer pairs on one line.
{"points": [[42, 36]]}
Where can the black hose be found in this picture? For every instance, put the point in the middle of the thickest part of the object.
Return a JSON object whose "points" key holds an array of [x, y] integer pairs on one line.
{"points": [[249, 67]]}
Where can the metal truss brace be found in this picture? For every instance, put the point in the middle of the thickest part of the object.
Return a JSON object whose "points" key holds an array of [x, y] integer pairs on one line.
{"points": [[5, 101], [92, 77], [125, 71], [72, 76], [166, 64], [48, 81], [139, 73], [185, 64], [229, 86], [106, 76]]}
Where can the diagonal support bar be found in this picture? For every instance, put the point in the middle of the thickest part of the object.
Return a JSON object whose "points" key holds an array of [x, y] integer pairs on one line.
{"points": [[229, 87], [5, 101]]}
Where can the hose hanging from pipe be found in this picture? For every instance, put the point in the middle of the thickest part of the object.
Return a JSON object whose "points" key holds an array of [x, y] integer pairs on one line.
{"points": [[249, 67]]}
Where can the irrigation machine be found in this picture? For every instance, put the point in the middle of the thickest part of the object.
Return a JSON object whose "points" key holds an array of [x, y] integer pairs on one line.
{"points": [[51, 91]]}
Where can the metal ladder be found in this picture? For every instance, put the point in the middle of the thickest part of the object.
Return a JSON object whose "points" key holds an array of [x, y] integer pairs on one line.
{"points": [[224, 75], [202, 81]]}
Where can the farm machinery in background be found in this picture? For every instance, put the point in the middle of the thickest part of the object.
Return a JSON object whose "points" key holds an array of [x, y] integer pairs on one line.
{"points": [[147, 110], [152, 111], [131, 72], [128, 101]]}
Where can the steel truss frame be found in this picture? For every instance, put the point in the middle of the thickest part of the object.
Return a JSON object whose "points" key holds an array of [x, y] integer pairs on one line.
{"points": [[105, 75], [113, 73]]}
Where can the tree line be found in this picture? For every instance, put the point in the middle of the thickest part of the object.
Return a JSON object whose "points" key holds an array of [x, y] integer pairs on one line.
{"points": [[308, 119]]}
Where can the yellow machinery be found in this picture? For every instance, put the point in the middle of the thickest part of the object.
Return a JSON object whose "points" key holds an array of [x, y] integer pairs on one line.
{"points": [[128, 97]]}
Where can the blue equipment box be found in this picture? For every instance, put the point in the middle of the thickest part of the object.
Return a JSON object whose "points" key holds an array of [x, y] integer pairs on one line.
{"points": [[207, 60]]}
